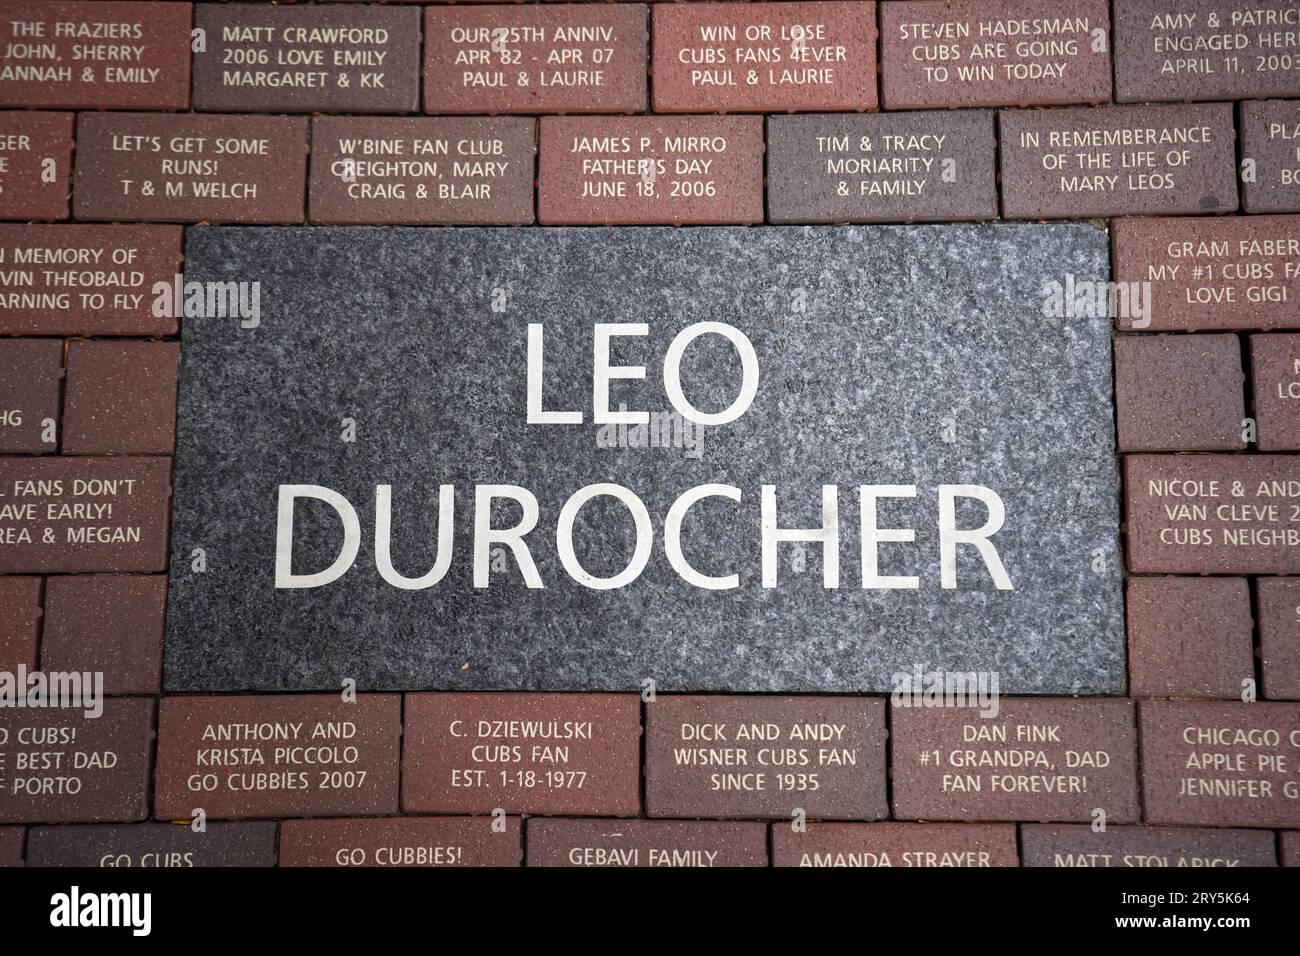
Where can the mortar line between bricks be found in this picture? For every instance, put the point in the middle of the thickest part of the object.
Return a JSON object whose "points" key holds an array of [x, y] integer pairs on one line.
{"points": [[642, 764], [1256, 638], [1121, 498], [1138, 763]]}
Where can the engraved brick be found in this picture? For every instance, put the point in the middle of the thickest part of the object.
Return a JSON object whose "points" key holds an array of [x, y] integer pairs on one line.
{"points": [[29, 394], [190, 168], [1220, 764], [1205, 49], [35, 165], [11, 846], [60, 766], [882, 167], [895, 844], [84, 514], [110, 623], [962, 53], [1270, 138], [151, 845], [401, 842], [429, 170], [752, 756], [343, 59], [1212, 514], [1279, 636], [646, 843], [291, 755], [20, 621], [563, 58], [525, 753], [1275, 368], [1189, 637], [648, 170], [1229, 272], [1118, 161], [1289, 844], [1179, 393], [1082, 846], [121, 398], [85, 280], [76, 54], [764, 57], [1038, 759]]}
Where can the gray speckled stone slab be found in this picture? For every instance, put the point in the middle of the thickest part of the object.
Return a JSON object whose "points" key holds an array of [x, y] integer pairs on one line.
{"points": [[887, 355]]}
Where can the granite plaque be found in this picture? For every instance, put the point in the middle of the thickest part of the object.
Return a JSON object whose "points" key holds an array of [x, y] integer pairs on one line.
{"points": [[786, 459]]}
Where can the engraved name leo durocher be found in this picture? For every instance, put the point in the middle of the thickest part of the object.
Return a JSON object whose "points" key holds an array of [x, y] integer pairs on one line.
{"points": [[486, 538]]}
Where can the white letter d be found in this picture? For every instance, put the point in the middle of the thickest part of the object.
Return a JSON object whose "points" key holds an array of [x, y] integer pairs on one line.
{"points": [[284, 576]]}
